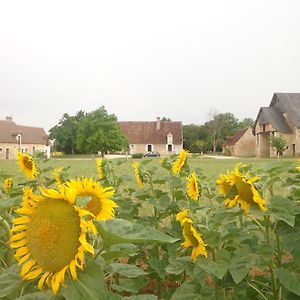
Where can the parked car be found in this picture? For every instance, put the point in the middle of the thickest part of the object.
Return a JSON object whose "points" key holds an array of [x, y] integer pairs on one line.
{"points": [[152, 154]]}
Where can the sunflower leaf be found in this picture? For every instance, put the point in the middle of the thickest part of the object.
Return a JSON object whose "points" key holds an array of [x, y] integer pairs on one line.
{"points": [[126, 270], [118, 231], [89, 285]]}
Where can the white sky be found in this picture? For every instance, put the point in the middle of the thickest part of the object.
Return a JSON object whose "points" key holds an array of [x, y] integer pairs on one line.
{"points": [[143, 59]]}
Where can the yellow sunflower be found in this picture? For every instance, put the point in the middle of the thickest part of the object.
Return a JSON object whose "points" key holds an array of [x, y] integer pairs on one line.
{"points": [[192, 237], [99, 165], [50, 238], [244, 191], [27, 164], [137, 174], [179, 162], [193, 187], [298, 167], [7, 184], [57, 176], [99, 203]]}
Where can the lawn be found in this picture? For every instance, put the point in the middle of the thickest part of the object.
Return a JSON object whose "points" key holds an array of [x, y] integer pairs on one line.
{"points": [[85, 166]]}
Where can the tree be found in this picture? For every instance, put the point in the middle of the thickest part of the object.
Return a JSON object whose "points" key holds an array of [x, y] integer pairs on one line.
{"points": [[165, 119], [279, 143], [65, 132], [99, 131], [247, 122], [194, 136], [220, 125]]}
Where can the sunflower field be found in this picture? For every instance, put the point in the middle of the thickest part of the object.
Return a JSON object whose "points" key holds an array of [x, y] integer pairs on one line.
{"points": [[176, 236]]}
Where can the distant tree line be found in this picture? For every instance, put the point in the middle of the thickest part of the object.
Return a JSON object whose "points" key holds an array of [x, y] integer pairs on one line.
{"points": [[212, 134], [99, 131]]}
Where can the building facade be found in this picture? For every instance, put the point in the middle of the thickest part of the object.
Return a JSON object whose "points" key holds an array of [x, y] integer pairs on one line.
{"points": [[281, 118], [27, 139], [162, 136], [242, 144]]}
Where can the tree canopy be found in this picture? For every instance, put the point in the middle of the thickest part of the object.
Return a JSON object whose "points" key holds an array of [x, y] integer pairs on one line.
{"points": [[99, 131], [65, 132]]}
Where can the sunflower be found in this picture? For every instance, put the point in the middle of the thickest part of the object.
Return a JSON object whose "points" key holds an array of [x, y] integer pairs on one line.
{"points": [[241, 189], [99, 203], [192, 237], [58, 178], [50, 238], [100, 169], [137, 174], [7, 184], [179, 162], [27, 164], [193, 187], [298, 167]]}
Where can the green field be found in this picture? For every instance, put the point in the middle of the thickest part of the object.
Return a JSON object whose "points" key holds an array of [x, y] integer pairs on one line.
{"points": [[79, 167]]}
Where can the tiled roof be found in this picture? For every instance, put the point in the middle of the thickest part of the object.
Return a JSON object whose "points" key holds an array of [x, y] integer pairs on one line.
{"points": [[273, 116], [232, 140], [289, 103], [30, 135], [139, 132]]}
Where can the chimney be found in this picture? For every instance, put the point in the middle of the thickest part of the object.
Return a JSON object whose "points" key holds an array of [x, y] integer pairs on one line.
{"points": [[158, 123], [8, 118]]}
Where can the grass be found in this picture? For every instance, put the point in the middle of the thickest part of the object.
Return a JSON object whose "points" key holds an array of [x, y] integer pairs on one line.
{"points": [[85, 166]]}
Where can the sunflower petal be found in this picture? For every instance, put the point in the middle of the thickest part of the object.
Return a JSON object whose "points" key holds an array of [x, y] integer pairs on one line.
{"points": [[33, 274], [26, 267], [42, 280]]}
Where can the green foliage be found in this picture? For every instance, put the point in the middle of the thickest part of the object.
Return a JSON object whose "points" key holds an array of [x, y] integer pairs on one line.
{"points": [[65, 132], [137, 155], [139, 254], [279, 143], [99, 131]]}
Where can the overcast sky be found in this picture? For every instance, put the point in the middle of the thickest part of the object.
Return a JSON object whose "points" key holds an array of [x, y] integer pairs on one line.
{"points": [[143, 59]]}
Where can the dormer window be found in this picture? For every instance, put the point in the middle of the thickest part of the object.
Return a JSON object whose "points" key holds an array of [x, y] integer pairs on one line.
{"points": [[170, 138], [19, 139]]}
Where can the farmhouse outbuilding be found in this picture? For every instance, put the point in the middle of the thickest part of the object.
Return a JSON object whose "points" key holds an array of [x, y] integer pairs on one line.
{"points": [[242, 144], [281, 118], [162, 136], [21, 138]]}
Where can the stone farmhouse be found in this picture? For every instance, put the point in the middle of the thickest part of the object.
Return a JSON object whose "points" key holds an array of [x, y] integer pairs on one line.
{"points": [[162, 136], [242, 144], [27, 139], [281, 118]]}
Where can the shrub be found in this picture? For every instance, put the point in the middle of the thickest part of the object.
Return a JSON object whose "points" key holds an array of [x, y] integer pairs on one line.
{"points": [[137, 155]]}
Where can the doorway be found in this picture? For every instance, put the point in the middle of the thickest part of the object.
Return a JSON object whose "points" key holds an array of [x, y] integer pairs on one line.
{"points": [[7, 153]]}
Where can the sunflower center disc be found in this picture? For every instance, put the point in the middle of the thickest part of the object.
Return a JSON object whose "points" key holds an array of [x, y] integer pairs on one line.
{"points": [[53, 234], [27, 163]]}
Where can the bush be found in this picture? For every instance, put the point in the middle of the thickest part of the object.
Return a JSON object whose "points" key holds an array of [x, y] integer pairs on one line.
{"points": [[57, 154], [137, 155]]}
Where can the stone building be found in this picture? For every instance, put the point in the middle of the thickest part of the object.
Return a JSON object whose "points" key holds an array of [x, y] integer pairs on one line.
{"points": [[162, 136], [241, 144], [281, 118], [21, 138]]}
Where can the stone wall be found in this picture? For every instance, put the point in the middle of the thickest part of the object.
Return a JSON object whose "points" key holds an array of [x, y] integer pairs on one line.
{"points": [[162, 149], [8, 151], [245, 146]]}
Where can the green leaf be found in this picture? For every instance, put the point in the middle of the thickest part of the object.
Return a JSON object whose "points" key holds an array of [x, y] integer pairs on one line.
{"points": [[132, 285], [118, 231], [175, 182], [240, 266], [179, 265], [142, 297], [188, 290], [127, 270], [9, 281], [219, 267], [290, 280], [119, 250], [282, 208], [44, 295], [90, 284]]}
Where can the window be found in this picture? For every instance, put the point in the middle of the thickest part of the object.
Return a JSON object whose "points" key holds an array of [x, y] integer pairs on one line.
{"points": [[19, 140], [170, 138], [170, 148], [132, 146], [0, 149], [149, 148], [264, 127]]}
